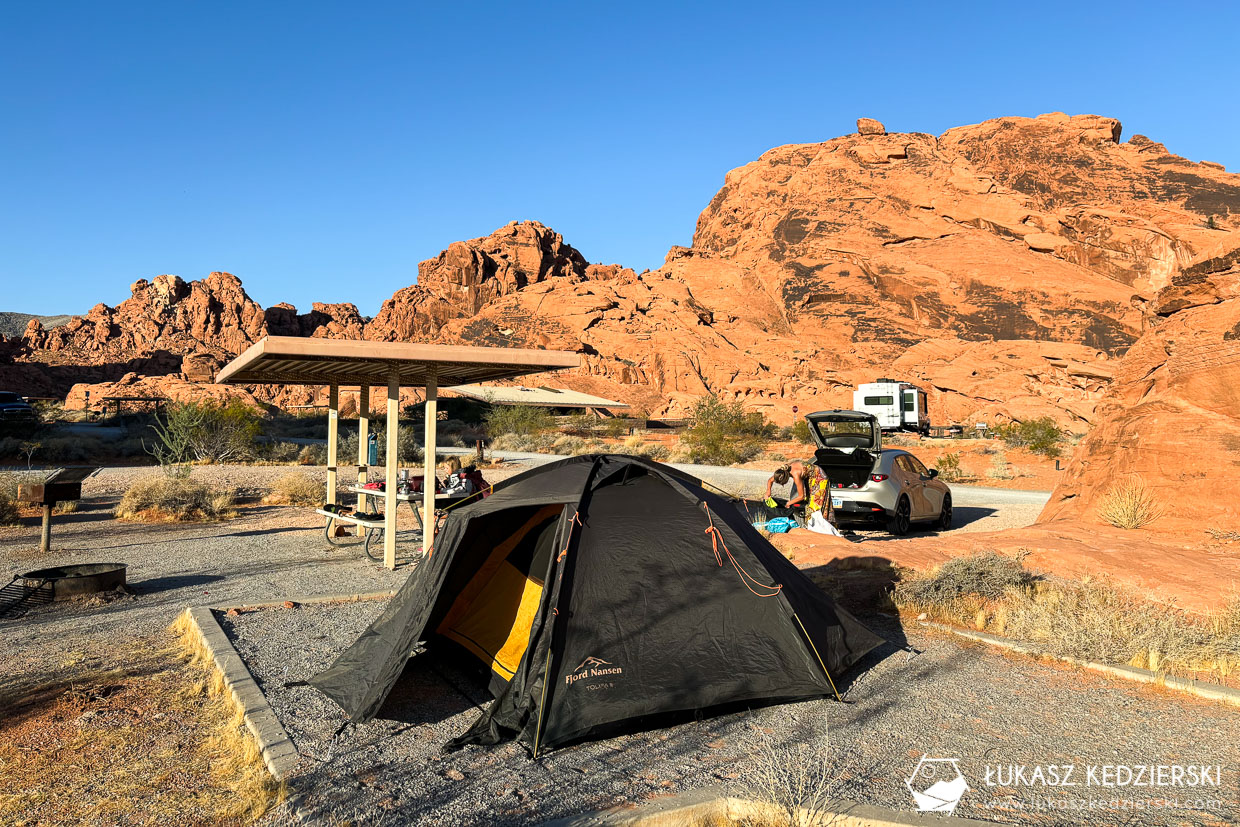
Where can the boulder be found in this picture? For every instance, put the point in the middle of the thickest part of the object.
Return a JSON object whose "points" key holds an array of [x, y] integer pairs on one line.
{"points": [[869, 126]]}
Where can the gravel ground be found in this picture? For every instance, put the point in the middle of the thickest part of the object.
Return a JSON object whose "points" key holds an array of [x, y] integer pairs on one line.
{"points": [[948, 701], [265, 553], [952, 701]]}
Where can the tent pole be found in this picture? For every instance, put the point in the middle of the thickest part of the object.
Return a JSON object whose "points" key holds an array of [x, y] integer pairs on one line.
{"points": [[428, 463], [389, 492], [333, 423], [363, 446]]}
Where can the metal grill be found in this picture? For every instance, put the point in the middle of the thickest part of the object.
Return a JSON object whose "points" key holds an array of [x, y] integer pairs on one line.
{"points": [[19, 595]]}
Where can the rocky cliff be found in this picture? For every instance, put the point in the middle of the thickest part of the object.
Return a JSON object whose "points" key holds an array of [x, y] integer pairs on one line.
{"points": [[1171, 420], [1006, 266]]}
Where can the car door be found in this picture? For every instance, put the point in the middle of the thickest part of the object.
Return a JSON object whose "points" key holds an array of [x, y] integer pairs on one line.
{"points": [[909, 484], [931, 498]]}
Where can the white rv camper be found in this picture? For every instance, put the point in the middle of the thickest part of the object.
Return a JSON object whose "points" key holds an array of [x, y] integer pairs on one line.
{"points": [[899, 406]]}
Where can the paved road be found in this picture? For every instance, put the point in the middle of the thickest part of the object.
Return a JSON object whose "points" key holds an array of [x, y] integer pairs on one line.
{"points": [[747, 482]]}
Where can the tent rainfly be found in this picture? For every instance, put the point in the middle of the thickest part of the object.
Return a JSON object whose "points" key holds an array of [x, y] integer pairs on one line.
{"points": [[337, 363], [599, 590]]}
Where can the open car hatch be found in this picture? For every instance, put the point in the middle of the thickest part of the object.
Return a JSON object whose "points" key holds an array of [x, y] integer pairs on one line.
{"points": [[845, 430]]}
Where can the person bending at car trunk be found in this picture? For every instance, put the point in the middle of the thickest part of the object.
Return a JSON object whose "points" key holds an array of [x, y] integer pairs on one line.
{"points": [[789, 499]]}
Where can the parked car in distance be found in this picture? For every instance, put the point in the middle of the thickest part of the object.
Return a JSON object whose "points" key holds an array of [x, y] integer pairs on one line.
{"points": [[16, 415], [870, 484]]}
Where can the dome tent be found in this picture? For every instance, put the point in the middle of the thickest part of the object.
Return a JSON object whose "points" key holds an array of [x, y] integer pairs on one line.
{"points": [[599, 590]]}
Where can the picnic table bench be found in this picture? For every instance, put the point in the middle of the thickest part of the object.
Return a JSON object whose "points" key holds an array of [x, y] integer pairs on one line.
{"points": [[372, 530]]}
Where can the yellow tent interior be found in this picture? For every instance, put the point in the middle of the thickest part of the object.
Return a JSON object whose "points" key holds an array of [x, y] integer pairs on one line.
{"points": [[492, 614]]}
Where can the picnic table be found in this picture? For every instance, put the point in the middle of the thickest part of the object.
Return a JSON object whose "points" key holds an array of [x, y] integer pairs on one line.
{"points": [[372, 530]]}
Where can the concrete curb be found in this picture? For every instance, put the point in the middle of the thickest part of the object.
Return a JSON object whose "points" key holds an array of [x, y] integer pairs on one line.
{"points": [[277, 748], [279, 754], [1200, 689], [713, 805]]}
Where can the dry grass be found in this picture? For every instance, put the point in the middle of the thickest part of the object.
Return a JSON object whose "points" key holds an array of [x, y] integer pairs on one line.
{"points": [[163, 498], [296, 489], [152, 742], [1091, 619], [1129, 505]]}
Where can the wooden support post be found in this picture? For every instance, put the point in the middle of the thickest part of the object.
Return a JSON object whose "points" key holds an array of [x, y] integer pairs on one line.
{"points": [[45, 542], [333, 422], [428, 464], [393, 449], [363, 447]]}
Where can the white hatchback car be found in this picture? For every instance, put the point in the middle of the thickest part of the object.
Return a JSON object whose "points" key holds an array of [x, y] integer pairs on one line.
{"points": [[870, 484]]}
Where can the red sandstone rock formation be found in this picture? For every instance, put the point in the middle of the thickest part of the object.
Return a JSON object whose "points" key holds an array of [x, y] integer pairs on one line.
{"points": [[1006, 266], [1171, 419]]}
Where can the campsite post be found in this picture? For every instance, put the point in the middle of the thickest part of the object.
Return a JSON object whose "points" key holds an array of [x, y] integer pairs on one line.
{"points": [[333, 425], [428, 463], [363, 446], [389, 490]]}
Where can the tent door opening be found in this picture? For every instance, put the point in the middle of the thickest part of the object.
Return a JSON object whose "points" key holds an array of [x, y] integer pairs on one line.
{"points": [[494, 610]]}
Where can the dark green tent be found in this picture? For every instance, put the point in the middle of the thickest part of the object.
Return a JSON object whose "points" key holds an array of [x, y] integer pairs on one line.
{"points": [[602, 589]]}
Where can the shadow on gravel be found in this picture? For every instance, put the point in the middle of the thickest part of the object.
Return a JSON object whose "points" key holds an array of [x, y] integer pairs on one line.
{"points": [[432, 689], [163, 584]]}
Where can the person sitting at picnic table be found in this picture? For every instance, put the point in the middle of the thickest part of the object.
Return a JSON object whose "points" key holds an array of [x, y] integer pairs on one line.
{"points": [[790, 499]]}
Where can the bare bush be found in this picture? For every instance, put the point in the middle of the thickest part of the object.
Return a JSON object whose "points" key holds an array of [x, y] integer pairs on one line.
{"points": [[177, 499], [801, 782], [986, 575], [1129, 505], [999, 468], [297, 488]]}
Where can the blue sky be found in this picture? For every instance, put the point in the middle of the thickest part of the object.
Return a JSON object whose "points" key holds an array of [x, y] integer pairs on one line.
{"points": [[321, 150]]}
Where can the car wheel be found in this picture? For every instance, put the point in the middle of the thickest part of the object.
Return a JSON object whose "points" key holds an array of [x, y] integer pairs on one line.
{"points": [[903, 520], [945, 515]]}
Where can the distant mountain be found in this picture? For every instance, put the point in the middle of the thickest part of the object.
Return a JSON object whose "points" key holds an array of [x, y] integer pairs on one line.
{"points": [[14, 324]]}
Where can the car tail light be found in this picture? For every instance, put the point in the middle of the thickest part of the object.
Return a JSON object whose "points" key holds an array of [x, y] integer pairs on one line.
{"points": [[878, 477]]}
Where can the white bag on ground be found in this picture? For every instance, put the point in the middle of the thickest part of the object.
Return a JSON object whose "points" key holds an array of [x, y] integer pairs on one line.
{"points": [[822, 525]]}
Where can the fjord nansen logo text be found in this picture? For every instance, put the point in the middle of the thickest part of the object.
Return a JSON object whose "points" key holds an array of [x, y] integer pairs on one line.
{"points": [[592, 668]]}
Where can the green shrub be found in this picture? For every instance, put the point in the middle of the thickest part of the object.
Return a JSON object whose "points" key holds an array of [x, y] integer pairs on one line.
{"points": [[534, 443], [948, 466], [297, 488], [1040, 436], [204, 432], [723, 433], [522, 420], [179, 499]]}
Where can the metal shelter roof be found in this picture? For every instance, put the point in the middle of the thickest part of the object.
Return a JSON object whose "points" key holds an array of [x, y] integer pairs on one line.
{"points": [[295, 360], [537, 397]]}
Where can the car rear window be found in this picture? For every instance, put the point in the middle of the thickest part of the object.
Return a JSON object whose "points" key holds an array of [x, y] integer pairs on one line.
{"points": [[6, 396]]}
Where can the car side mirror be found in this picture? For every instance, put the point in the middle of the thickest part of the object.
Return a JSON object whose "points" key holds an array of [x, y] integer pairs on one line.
{"points": [[932, 473]]}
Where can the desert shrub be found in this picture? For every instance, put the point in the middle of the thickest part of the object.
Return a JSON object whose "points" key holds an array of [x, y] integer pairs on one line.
{"points": [[1040, 436], [536, 443], [522, 420], [1129, 505], [8, 499], [986, 575], [581, 424], [71, 449], [999, 468], [312, 455], [297, 488], [614, 427], [204, 431], [723, 433], [179, 499], [637, 447], [948, 466], [798, 432], [281, 452], [802, 782]]}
